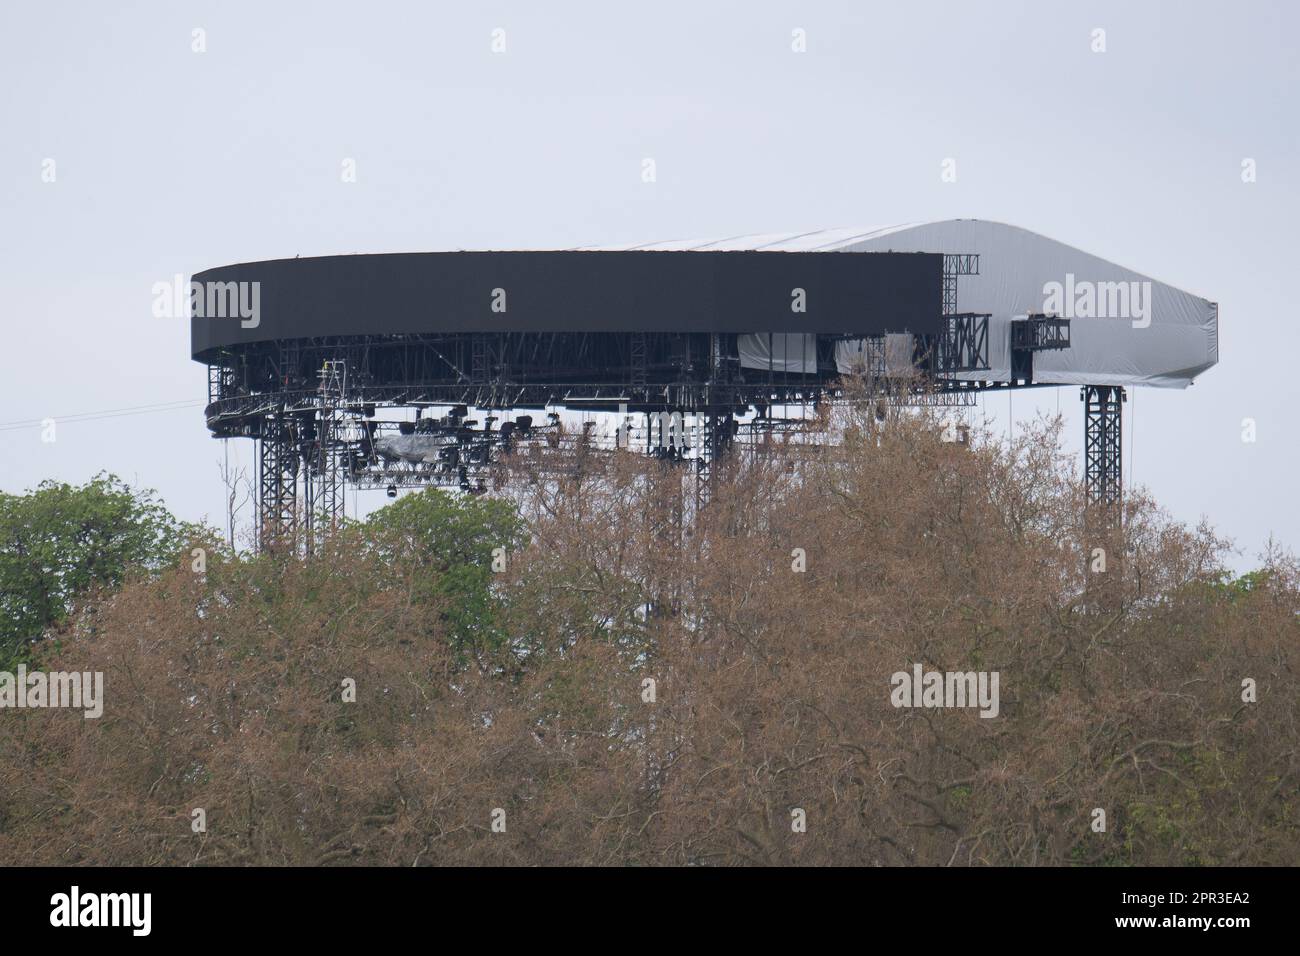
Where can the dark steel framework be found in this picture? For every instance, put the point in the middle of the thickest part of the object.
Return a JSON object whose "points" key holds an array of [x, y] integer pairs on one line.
{"points": [[277, 479], [1103, 459], [312, 404], [1040, 333]]}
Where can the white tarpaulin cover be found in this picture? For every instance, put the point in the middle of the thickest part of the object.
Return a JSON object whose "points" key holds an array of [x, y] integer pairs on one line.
{"points": [[1125, 328], [778, 351]]}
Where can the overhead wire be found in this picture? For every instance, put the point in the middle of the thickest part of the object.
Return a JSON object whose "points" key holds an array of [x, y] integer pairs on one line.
{"points": [[101, 414]]}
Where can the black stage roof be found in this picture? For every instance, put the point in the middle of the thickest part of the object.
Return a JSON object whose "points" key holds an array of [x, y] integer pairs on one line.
{"points": [[575, 291]]}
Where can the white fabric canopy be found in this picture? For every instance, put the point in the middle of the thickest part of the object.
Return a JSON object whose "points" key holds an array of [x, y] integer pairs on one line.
{"points": [[1016, 268], [779, 351]]}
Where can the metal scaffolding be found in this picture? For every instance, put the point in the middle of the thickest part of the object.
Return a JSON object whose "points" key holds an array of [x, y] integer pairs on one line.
{"points": [[277, 482], [1103, 462], [310, 403]]}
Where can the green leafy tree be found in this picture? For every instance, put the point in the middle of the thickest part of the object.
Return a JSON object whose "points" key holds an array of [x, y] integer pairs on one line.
{"points": [[59, 541], [450, 542]]}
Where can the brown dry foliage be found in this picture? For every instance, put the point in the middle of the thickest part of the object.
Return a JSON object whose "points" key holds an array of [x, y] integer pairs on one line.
{"points": [[772, 686]]}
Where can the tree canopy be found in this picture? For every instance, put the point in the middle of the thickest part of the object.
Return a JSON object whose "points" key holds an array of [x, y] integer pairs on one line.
{"points": [[642, 683], [60, 541]]}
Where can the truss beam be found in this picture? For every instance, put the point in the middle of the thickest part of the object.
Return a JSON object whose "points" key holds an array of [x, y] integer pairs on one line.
{"points": [[1103, 461]]}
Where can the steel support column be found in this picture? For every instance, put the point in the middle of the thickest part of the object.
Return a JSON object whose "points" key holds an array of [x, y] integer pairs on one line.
{"points": [[1103, 462], [277, 482]]}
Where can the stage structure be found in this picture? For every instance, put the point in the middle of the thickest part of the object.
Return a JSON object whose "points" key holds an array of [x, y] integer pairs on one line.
{"points": [[390, 371]]}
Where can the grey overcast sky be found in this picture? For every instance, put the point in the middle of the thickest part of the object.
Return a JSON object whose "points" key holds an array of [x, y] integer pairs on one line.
{"points": [[170, 161]]}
